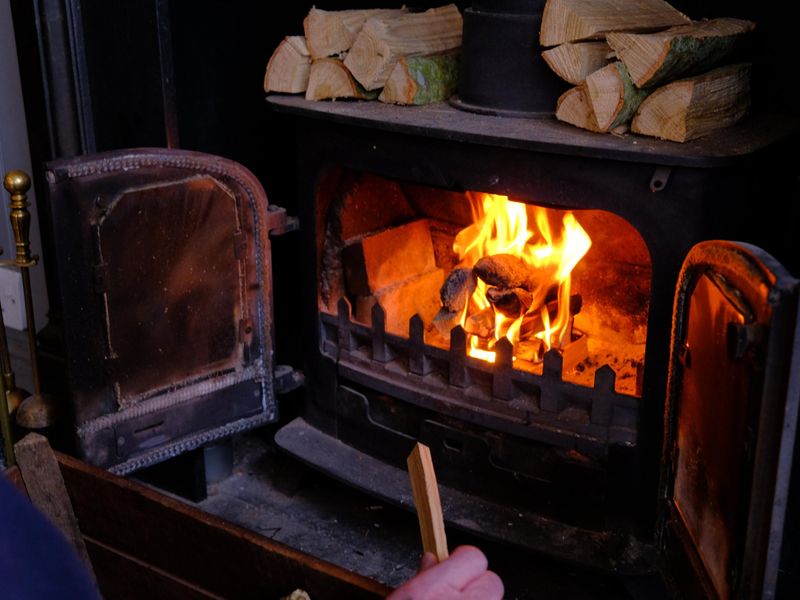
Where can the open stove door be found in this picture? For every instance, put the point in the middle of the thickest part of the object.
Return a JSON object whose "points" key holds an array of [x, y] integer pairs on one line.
{"points": [[164, 269], [730, 422]]}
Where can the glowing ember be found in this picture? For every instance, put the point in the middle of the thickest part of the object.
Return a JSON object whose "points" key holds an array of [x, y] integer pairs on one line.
{"points": [[500, 227]]}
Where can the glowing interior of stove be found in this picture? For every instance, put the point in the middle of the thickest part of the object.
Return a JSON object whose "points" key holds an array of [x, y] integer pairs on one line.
{"points": [[574, 281]]}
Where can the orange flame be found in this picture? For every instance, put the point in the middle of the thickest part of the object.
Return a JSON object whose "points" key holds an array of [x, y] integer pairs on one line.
{"points": [[500, 226]]}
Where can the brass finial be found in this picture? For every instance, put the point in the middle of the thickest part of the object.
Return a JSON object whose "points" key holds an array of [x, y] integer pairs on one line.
{"points": [[18, 183], [39, 410]]}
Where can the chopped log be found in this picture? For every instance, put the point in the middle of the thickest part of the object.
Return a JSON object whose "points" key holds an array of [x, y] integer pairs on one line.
{"points": [[533, 322], [506, 271], [421, 80], [574, 62], [612, 95], [574, 20], [656, 58], [531, 350], [509, 302], [380, 260], [457, 289], [691, 108], [481, 323], [445, 320], [329, 79], [573, 107], [330, 32], [288, 67], [382, 42]]}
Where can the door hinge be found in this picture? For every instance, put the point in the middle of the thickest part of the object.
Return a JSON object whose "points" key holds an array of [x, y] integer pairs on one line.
{"points": [[278, 222]]}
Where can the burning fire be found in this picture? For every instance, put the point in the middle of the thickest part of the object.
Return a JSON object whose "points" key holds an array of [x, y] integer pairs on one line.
{"points": [[500, 227]]}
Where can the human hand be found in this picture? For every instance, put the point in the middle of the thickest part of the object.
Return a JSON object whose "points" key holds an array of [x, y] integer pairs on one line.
{"points": [[463, 576]]}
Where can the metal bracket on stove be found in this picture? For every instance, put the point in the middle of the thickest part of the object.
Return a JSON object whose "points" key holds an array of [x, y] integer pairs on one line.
{"points": [[286, 379], [278, 222], [660, 179]]}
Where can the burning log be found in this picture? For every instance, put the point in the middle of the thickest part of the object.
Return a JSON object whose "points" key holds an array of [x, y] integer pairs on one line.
{"points": [[288, 67], [574, 20], [421, 80], [481, 323], [509, 302], [691, 108], [331, 32], [531, 350], [383, 41], [445, 320], [329, 79], [506, 271], [656, 58], [574, 62], [613, 96], [533, 322], [457, 290]]}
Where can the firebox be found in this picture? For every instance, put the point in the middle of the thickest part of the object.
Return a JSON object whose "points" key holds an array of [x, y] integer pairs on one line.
{"points": [[546, 309]]}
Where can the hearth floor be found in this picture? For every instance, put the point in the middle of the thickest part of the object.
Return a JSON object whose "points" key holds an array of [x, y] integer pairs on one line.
{"points": [[271, 493]]}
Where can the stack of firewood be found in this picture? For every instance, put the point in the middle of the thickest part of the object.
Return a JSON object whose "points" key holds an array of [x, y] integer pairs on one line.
{"points": [[395, 56], [644, 66]]}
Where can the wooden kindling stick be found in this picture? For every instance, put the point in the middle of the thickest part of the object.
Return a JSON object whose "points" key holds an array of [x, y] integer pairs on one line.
{"points": [[426, 499]]}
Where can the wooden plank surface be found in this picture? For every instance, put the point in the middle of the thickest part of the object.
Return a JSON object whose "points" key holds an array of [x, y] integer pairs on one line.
{"points": [[124, 577], [426, 499], [197, 548]]}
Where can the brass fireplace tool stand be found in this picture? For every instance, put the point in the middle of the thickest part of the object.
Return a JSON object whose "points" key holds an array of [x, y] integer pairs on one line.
{"points": [[38, 410]]}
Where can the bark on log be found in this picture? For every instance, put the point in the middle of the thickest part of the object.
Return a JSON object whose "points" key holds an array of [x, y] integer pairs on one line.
{"points": [[329, 79], [613, 97], [506, 271], [656, 58], [445, 320], [574, 20], [330, 32], [574, 62], [421, 80], [382, 42], [573, 107], [457, 289], [288, 67], [509, 302], [691, 108]]}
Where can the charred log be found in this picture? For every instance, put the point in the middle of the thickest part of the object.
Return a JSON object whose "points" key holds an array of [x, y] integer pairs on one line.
{"points": [[445, 320], [509, 302], [506, 271], [457, 289]]}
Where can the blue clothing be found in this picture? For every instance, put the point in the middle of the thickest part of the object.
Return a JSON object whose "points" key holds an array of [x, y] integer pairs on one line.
{"points": [[36, 561]]}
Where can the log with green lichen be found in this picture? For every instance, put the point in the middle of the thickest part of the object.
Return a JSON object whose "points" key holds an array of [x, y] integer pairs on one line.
{"points": [[422, 79], [612, 95], [656, 58]]}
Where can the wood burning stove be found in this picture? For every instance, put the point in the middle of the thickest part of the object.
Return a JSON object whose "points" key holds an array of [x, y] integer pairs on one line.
{"points": [[559, 454], [542, 459]]}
